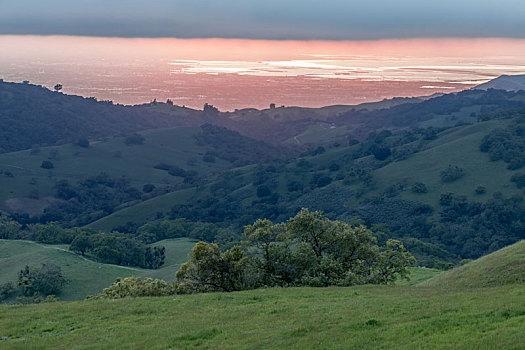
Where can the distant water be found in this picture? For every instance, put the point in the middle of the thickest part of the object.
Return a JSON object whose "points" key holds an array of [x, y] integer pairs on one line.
{"points": [[234, 74]]}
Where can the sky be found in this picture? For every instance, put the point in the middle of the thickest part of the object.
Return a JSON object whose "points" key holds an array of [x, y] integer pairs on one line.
{"points": [[250, 53], [269, 19]]}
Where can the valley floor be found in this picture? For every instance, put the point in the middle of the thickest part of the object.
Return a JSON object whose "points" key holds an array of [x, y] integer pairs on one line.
{"points": [[371, 317]]}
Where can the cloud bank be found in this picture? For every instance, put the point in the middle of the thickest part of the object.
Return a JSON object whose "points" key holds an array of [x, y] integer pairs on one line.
{"points": [[269, 19]]}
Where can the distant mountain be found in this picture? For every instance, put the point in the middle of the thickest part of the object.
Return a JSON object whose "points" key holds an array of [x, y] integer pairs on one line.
{"points": [[504, 82]]}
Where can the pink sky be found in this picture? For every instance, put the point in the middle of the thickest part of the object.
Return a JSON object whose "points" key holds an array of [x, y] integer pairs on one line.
{"points": [[234, 73]]}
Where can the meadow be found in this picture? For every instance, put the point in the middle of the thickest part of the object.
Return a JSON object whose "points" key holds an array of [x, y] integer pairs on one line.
{"points": [[374, 317], [433, 310], [84, 276]]}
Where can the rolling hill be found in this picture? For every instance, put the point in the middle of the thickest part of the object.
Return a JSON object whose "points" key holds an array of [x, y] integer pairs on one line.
{"points": [[433, 314], [503, 267], [84, 277], [196, 152], [504, 82]]}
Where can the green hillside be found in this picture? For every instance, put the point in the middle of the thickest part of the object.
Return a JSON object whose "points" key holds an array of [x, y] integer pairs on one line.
{"points": [[372, 317], [85, 277], [135, 162], [458, 146], [503, 267], [349, 183], [144, 211], [446, 313]]}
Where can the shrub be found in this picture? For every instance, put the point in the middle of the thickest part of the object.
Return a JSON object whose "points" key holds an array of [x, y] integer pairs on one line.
{"points": [[451, 173], [380, 152], [319, 181], [46, 164], [518, 179], [177, 171], [136, 287], [45, 280], [6, 290], [480, 190], [419, 187], [148, 188]]}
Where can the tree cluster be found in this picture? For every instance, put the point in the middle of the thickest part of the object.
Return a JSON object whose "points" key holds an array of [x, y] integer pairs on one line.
{"points": [[307, 250], [120, 249]]}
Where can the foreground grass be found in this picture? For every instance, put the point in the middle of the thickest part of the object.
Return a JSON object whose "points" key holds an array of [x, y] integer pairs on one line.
{"points": [[374, 317]]}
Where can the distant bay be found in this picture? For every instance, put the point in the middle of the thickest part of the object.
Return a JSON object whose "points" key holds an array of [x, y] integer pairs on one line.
{"points": [[235, 73]]}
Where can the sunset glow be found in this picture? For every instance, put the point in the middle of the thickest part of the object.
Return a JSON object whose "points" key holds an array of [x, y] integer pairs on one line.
{"points": [[239, 73]]}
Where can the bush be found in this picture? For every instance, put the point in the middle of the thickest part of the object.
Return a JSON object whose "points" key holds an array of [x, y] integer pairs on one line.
{"points": [[46, 164], [452, 173], [419, 187], [137, 287], [6, 290], [37, 299], [518, 179], [45, 280], [319, 181], [148, 188], [480, 190], [380, 152]]}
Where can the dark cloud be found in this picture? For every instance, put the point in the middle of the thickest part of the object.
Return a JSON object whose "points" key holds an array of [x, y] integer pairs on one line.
{"points": [[269, 19]]}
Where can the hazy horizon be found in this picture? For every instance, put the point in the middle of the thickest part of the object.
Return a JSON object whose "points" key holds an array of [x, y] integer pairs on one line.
{"points": [[240, 73]]}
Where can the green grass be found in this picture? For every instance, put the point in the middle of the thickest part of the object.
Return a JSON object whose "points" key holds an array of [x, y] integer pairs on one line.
{"points": [[431, 315], [419, 275], [503, 267], [372, 317], [459, 146], [85, 277], [144, 211]]}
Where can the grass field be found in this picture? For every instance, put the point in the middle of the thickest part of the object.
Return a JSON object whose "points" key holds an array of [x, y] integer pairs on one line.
{"points": [[417, 315], [371, 317], [85, 277]]}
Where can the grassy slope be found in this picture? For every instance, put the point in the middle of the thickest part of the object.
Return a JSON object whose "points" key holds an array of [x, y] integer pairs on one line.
{"points": [[84, 277], [460, 147], [375, 317], [172, 146], [144, 211], [372, 317], [419, 275], [503, 267]]}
